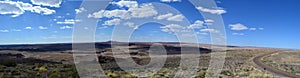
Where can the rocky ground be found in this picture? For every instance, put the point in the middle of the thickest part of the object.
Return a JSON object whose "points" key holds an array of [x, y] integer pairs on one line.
{"points": [[36, 61]]}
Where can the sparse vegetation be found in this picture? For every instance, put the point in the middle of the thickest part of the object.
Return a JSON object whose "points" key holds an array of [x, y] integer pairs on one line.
{"points": [[286, 61], [59, 63]]}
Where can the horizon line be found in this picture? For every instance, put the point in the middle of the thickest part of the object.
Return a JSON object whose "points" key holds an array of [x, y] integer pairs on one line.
{"points": [[45, 43]]}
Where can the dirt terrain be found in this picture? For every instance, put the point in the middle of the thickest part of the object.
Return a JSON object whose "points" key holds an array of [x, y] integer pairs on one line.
{"points": [[257, 60], [56, 60]]}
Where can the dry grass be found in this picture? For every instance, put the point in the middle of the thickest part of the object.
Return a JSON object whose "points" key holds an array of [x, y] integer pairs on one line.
{"points": [[287, 61]]}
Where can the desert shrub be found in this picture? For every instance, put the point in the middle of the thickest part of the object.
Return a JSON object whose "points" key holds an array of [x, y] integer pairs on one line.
{"points": [[255, 75], [128, 76], [54, 74], [1, 75], [227, 73], [41, 69], [201, 75], [247, 69], [10, 64], [112, 74]]}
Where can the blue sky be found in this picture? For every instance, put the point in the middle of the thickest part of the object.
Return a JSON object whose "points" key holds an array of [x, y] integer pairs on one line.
{"points": [[261, 23]]}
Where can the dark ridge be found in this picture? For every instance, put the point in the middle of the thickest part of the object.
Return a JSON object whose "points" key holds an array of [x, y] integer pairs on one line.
{"points": [[12, 60], [100, 45], [232, 46], [12, 55]]}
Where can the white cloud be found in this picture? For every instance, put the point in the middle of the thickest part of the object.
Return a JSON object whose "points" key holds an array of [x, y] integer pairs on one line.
{"points": [[176, 18], [131, 24], [145, 10], [40, 10], [4, 30], [80, 10], [197, 24], [166, 30], [210, 30], [209, 21], [178, 28], [66, 27], [212, 11], [17, 8], [164, 16], [202, 33], [68, 21], [50, 3], [28, 28], [124, 3], [238, 27], [42, 28], [170, 17], [172, 26], [252, 29], [112, 22], [238, 34], [9, 7], [123, 14], [170, 0], [59, 17]]}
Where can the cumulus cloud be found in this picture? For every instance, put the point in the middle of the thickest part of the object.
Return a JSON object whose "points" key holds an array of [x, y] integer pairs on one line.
{"points": [[17, 8], [164, 16], [28, 28], [50, 3], [176, 18], [172, 26], [123, 14], [210, 30], [68, 21], [145, 10], [252, 29], [238, 27], [4, 30], [209, 21], [131, 24], [112, 22], [40, 10], [66, 27], [166, 30], [80, 10], [212, 11], [42, 28], [170, 17], [126, 3], [178, 28], [9, 7], [238, 34], [170, 0], [197, 24]]}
